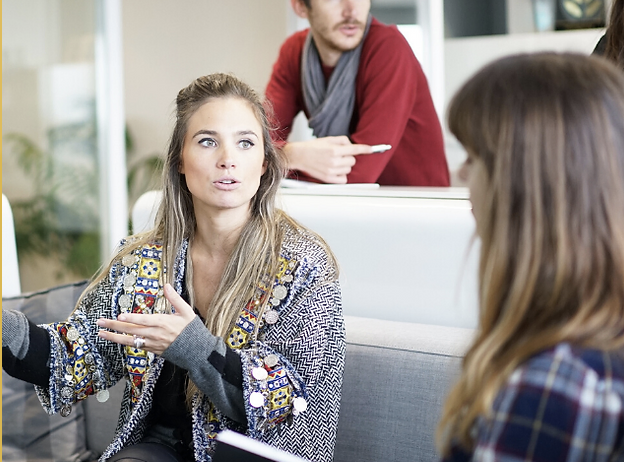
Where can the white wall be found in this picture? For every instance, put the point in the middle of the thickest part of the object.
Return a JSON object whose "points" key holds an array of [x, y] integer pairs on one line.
{"points": [[465, 56], [169, 43]]}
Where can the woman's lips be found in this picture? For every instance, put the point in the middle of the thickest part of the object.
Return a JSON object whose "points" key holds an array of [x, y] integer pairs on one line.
{"points": [[226, 184]]}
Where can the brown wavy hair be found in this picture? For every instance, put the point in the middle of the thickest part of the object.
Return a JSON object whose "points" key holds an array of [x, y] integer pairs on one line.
{"points": [[614, 47], [550, 131]]}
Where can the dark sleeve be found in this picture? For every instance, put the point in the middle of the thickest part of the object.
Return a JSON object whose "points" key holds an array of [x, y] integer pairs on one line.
{"points": [[212, 366], [34, 367], [229, 366]]}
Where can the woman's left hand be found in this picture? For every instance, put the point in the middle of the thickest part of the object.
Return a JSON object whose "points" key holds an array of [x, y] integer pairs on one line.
{"points": [[157, 331]]}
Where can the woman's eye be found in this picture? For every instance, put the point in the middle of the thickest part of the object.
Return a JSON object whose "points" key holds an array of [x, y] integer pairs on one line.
{"points": [[208, 142], [245, 144]]}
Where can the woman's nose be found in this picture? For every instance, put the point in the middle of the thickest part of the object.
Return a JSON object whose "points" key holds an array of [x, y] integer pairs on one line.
{"points": [[226, 160]]}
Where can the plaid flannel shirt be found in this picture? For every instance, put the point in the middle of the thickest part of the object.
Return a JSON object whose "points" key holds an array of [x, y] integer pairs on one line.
{"points": [[564, 404]]}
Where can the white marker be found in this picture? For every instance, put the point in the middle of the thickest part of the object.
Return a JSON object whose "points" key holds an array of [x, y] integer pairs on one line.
{"points": [[381, 147]]}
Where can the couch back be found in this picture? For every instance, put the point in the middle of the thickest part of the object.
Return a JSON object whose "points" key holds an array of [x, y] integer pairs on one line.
{"points": [[397, 375]]}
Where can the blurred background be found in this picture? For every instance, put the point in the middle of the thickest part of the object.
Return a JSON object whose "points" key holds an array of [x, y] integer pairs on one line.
{"points": [[89, 85]]}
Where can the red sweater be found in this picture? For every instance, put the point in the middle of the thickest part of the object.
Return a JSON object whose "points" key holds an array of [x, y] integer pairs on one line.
{"points": [[392, 106]]}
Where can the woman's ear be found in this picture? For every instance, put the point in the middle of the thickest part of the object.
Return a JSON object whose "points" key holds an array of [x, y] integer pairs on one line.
{"points": [[181, 167], [264, 167]]}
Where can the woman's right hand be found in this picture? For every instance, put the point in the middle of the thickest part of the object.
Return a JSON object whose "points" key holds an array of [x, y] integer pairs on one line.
{"points": [[158, 331]]}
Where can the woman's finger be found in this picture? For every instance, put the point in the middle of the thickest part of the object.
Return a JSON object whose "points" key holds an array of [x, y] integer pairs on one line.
{"points": [[181, 307], [130, 328], [121, 339]]}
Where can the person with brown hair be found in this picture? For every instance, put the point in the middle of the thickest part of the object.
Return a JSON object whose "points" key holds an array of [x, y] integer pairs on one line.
{"points": [[544, 379], [611, 44], [227, 315]]}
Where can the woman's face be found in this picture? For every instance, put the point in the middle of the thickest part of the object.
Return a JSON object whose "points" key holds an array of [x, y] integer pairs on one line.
{"points": [[223, 156], [474, 173]]}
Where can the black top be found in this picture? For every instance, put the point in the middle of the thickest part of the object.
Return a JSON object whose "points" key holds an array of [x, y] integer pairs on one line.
{"points": [[169, 407]]}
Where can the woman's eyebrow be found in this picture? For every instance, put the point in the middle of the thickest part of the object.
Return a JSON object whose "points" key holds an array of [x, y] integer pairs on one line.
{"points": [[213, 133], [247, 132], [205, 132]]}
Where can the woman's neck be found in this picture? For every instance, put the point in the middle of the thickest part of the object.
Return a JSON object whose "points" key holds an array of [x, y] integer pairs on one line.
{"points": [[211, 247], [216, 235]]}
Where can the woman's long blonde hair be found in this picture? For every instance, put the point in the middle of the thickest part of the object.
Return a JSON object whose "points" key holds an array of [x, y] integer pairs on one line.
{"points": [[255, 256], [550, 130]]}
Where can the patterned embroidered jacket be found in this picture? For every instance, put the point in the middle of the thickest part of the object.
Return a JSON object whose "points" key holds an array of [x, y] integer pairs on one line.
{"points": [[300, 343]]}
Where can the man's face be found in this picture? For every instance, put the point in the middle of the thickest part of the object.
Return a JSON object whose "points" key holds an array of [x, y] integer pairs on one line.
{"points": [[338, 25]]}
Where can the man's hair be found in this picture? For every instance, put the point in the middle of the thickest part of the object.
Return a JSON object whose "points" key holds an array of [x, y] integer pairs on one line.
{"points": [[549, 129]]}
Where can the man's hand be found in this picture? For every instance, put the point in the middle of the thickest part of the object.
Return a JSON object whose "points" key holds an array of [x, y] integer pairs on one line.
{"points": [[328, 159], [157, 330]]}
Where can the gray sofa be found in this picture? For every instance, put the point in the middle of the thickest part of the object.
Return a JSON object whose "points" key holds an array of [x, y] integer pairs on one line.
{"points": [[397, 375]]}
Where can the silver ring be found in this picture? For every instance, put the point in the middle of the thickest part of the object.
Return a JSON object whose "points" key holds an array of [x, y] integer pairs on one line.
{"points": [[139, 342]]}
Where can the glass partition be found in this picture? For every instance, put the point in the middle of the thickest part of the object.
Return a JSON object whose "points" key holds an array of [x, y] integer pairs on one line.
{"points": [[52, 137]]}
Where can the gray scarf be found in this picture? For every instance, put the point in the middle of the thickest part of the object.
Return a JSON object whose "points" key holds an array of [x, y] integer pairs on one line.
{"points": [[331, 107]]}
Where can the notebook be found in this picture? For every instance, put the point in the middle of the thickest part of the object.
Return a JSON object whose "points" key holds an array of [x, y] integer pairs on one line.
{"points": [[234, 447]]}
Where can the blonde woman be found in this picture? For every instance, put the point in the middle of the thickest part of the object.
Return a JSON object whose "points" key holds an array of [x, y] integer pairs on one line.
{"points": [[226, 315], [544, 379]]}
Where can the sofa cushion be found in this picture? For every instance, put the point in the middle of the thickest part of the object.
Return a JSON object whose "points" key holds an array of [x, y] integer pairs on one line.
{"points": [[28, 432], [397, 375]]}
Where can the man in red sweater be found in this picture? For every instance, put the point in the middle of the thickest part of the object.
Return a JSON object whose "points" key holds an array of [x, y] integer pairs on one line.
{"points": [[359, 84]]}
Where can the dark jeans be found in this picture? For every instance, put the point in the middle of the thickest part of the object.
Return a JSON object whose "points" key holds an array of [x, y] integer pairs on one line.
{"points": [[147, 452]]}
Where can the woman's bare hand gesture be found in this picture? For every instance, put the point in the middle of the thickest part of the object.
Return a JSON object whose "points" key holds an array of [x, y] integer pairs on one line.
{"points": [[150, 332]]}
